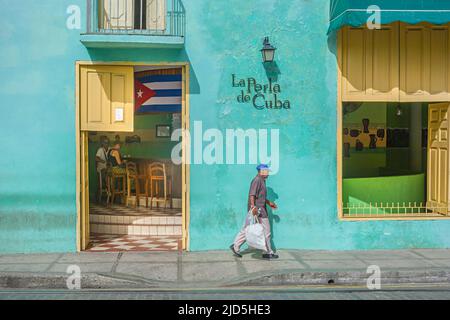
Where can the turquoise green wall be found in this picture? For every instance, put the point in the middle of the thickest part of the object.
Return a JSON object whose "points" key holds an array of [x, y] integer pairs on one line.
{"points": [[37, 167]]}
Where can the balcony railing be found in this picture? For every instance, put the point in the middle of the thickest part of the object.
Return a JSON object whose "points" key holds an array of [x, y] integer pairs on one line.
{"points": [[136, 17]]}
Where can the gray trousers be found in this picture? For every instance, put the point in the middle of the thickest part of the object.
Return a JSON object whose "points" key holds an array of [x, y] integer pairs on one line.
{"points": [[240, 238]]}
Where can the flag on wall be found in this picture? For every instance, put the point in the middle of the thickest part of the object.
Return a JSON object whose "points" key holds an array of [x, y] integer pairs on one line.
{"points": [[158, 93]]}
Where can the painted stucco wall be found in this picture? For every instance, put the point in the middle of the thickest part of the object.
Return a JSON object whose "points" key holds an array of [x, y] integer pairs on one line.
{"points": [[37, 126]]}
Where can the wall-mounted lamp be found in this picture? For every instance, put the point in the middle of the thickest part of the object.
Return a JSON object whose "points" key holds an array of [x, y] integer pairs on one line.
{"points": [[268, 51]]}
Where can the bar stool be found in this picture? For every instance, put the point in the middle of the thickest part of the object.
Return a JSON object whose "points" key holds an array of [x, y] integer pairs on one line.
{"points": [[103, 188], [117, 179], [134, 178], [157, 176]]}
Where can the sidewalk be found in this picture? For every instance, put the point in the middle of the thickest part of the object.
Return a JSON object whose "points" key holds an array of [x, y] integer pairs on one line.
{"points": [[215, 269]]}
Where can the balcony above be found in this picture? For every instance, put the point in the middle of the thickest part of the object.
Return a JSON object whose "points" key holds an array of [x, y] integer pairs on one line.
{"points": [[135, 24]]}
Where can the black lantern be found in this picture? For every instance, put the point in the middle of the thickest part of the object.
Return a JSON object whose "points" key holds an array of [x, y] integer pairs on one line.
{"points": [[268, 51]]}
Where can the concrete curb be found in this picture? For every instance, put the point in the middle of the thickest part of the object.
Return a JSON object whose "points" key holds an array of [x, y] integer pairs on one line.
{"points": [[59, 281], [287, 278], [344, 278]]}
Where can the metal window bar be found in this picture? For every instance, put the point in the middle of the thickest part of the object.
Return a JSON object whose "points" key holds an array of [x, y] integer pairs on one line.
{"points": [[391, 210], [113, 16]]}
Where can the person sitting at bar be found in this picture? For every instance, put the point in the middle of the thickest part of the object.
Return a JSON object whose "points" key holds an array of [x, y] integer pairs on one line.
{"points": [[102, 155], [115, 159], [101, 158]]}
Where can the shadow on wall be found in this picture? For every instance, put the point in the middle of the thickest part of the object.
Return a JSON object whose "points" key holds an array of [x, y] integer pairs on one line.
{"points": [[272, 70], [147, 56], [332, 44], [273, 218]]}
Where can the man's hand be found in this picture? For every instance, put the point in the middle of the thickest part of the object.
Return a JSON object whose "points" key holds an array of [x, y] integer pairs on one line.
{"points": [[255, 211], [273, 205]]}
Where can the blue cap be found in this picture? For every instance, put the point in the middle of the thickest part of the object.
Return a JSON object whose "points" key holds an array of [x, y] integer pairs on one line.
{"points": [[262, 167]]}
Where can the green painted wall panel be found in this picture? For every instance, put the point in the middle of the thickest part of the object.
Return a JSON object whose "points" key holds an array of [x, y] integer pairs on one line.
{"points": [[402, 189]]}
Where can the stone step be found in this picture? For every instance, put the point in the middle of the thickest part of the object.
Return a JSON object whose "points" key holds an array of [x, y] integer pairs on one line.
{"points": [[135, 219], [136, 225], [136, 230], [141, 221], [176, 203]]}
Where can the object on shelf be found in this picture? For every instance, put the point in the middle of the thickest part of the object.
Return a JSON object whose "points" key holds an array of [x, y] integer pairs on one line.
{"points": [[366, 123], [354, 133], [346, 150], [133, 139], [381, 133], [373, 141], [359, 145]]}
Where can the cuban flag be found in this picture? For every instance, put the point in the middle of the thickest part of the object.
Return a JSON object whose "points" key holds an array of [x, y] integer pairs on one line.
{"points": [[158, 93]]}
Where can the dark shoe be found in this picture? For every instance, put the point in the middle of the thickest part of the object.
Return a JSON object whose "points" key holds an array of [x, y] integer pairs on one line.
{"points": [[236, 254], [270, 256]]}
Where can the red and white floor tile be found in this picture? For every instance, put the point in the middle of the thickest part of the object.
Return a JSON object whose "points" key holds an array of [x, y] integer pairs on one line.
{"points": [[118, 243], [131, 211]]}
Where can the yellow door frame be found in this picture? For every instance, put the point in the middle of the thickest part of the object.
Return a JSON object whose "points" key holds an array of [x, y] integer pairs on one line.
{"points": [[80, 141], [339, 140]]}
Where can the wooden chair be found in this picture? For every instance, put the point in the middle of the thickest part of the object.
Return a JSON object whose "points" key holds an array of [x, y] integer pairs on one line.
{"points": [[157, 178], [133, 177], [117, 182]]}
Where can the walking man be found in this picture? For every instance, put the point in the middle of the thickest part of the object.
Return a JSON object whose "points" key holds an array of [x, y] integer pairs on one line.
{"points": [[257, 201]]}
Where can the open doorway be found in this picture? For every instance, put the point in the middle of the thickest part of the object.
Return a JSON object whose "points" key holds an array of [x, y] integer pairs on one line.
{"points": [[134, 195], [388, 164]]}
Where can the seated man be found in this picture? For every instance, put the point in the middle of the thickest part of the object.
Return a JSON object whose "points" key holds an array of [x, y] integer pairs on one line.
{"points": [[101, 158]]}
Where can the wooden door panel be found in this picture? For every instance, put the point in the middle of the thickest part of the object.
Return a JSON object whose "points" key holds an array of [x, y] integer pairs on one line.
{"points": [[106, 98], [413, 60], [424, 63], [370, 63], [354, 62], [439, 57], [382, 62], [116, 14], [156, 14], [438, 157]]}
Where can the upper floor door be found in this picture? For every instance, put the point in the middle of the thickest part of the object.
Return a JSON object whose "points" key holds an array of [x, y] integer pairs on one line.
{"points": [[132, 14], [116, 14]]}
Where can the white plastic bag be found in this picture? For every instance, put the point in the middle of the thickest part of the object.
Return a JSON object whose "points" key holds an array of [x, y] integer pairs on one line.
{"points": [[254, 234]]}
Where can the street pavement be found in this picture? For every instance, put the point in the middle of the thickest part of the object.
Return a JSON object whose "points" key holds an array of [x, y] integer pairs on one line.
{"points": [[220, 269], [404, 292]]}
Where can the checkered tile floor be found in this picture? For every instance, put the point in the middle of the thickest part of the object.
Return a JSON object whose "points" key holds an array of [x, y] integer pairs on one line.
{"points": [[130, 211], [112, 243]]}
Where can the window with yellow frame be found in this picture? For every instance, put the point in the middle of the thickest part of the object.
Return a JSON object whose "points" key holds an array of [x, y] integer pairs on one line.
{"points": [[393, 135]]}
